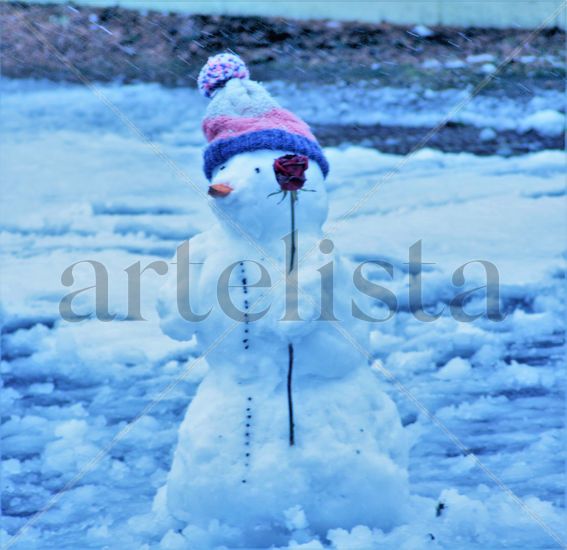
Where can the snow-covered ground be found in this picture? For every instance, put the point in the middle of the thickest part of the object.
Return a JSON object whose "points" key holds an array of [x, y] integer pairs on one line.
{"points": [[79, 185], [366, 103]]}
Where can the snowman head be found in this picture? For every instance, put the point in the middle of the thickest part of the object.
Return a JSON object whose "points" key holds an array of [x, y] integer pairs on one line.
{"points": [[245, 188], [247, 130]]}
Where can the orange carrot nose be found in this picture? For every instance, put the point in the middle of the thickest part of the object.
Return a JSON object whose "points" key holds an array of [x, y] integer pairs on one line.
{"points": [[220, 190]]}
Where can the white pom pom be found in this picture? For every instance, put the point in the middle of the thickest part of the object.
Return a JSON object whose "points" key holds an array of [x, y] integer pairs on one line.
{"points": [[218, 70]]}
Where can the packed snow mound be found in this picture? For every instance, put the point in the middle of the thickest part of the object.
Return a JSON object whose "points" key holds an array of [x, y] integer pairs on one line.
{"points": [[547, 123]]}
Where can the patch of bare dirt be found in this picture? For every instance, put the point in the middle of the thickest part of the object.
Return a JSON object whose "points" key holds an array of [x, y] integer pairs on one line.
{"points": [[107, 44]]}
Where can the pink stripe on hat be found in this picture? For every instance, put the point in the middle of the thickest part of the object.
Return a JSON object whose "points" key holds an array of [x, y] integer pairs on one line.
{"points": [[226, 126]]}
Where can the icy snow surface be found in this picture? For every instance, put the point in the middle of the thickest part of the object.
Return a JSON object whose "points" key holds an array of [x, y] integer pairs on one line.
{"points": [[79, 185], [365, 103]]}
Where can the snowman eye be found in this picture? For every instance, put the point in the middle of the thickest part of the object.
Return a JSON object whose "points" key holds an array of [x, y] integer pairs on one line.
{"points": [[222, 168], [257, 170]]}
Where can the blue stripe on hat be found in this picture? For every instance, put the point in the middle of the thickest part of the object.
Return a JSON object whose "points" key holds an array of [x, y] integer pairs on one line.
{"points": [[219, 151]]}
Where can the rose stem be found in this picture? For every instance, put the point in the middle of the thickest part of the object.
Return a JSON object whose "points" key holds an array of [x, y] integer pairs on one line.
{"points": [[290, 345], [289, 396]]}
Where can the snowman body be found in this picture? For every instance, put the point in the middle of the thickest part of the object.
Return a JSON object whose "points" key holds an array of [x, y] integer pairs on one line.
{"points": [[233, 461]]}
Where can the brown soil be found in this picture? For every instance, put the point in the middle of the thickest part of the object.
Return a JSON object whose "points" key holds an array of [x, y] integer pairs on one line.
{"points": [[119, 44]]}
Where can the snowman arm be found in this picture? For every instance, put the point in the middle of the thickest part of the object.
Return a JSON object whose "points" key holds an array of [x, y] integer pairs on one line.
{"points": [[318, 303], [175, 318], [296, 309]]}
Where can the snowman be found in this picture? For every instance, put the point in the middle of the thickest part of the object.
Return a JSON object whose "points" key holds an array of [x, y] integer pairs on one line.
{"points": [[290, 431]]}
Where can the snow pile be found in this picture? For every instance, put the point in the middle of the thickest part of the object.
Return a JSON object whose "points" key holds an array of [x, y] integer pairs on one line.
{"points": [[80, 187], [547, 123]]}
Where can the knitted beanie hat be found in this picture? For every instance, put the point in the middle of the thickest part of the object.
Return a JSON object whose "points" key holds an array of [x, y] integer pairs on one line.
{"points": [[242, 116]]}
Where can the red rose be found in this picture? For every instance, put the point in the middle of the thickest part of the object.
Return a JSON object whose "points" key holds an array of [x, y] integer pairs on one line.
{"points": [[290, 170]]}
